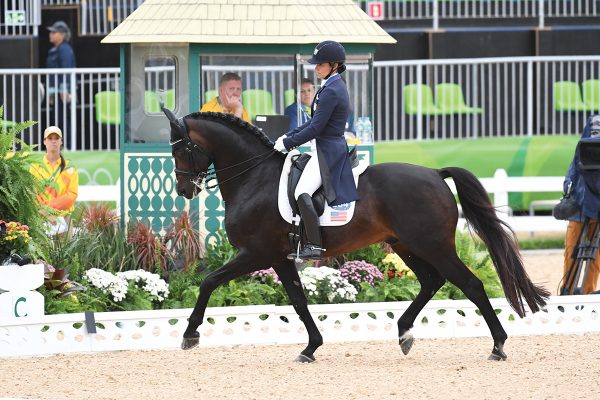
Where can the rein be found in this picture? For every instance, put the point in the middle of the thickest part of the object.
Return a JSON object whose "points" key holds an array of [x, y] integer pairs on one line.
{"points": [[268, 154]]}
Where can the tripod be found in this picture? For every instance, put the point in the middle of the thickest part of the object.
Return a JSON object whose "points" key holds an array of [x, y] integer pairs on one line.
{"points": [[586, 248]]}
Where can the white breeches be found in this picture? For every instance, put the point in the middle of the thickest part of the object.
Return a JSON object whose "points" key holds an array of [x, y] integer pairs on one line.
{"points": [[310, 180]]}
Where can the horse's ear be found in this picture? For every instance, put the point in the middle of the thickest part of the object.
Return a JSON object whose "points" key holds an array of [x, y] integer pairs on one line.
{"points": [[177, 123], [169, 114]]}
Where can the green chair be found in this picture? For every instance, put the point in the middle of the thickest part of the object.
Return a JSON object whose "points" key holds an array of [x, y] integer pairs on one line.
{"points": [[170, 99], [450, 100], [151, 103], [418, 99], [591, 94], [209, 95], [289, 97], [108, 107], [257, 102], [567, 97]]}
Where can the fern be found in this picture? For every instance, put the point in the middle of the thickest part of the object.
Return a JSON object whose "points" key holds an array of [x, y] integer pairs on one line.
{"points": [[18, 188]]}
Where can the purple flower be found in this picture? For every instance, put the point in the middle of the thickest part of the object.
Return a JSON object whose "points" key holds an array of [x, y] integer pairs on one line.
{"points": [[265, 274], [360, 271]]}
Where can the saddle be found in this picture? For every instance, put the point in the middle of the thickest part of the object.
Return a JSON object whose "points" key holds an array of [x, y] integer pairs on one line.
{"points": [[318, 198]]}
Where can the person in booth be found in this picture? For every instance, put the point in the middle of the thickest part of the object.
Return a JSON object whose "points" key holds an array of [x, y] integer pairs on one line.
{"points": [[307, 91], [229, 99], [330, 165], [579, 203]]}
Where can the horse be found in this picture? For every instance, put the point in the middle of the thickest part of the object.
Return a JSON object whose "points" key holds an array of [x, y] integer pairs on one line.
{"points": [[409, 207]]}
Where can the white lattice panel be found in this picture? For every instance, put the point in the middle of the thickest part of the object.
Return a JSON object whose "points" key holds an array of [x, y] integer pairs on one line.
{"points": [[226, 326]]}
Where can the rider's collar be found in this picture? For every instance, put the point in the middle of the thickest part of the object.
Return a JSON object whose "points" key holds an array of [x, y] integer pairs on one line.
{"points": [[332, 78]]}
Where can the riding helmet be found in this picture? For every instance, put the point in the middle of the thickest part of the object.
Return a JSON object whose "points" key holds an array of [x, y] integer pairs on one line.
{"points": [[329, 51]]}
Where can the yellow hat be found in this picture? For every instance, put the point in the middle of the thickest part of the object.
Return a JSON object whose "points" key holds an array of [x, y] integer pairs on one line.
{"points": [[52, 129]]}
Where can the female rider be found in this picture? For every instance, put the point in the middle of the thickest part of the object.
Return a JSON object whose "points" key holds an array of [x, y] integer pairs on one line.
{"points": [[331, 167]]}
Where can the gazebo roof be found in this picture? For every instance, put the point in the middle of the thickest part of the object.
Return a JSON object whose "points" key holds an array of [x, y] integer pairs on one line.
{"points": [[248, 22]]}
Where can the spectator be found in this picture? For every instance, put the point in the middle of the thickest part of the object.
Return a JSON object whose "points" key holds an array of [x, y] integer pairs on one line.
{"points": [[59, 178], [587, 208], [307, 93], [59, 56], [229, 99]]}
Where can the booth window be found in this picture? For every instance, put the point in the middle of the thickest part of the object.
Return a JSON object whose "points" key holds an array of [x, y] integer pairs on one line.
{"points": [[160, 79]]}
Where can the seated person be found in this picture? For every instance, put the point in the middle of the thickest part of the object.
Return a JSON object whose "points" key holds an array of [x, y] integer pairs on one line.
{"points": [[60, 180], [307, 92], [229, 99]]}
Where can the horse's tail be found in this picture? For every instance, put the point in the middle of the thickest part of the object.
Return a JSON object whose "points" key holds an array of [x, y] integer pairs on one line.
{"points": [[499, 239]]}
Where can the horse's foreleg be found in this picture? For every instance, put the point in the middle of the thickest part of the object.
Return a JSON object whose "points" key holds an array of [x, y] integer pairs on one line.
{"points": [[431, 281], [291, 282], [238, 266]]}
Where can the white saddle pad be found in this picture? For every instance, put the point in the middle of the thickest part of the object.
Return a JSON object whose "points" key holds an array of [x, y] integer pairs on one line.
{"points": [[332, 216]]}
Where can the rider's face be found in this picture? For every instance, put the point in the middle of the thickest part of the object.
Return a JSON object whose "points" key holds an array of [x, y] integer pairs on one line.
{"points": [[322, 70]]}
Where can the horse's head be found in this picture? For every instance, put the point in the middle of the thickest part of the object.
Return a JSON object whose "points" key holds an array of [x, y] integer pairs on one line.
{"points": [[191, 160]]}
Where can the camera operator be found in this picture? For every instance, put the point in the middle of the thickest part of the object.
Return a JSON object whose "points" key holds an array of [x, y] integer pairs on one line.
{"points": [[581, 201]]}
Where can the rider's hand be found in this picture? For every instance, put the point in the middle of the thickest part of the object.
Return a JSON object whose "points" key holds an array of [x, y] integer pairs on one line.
{"points": [[279, 146]]}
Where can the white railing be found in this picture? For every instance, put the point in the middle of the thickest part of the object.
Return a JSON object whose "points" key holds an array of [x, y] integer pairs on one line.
{"points": [[436, 10], [100, 17], [500, 185], [227, 326], [519, 96]]}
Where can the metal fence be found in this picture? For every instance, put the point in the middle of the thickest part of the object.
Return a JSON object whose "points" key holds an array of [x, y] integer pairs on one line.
{"points": [[430, 99], [435, 10]]}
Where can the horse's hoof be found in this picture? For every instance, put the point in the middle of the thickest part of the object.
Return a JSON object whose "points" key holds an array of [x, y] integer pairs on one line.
{"points": [[498, 354], [406, 342], [190, 343], [302, 358]]}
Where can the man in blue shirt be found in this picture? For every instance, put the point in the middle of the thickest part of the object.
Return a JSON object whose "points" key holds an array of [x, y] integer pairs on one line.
{"points": [[59, 56], [307, 92]]}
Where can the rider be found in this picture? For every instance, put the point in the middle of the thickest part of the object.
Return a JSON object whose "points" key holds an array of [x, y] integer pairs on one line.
{"points": [[331, 167]]}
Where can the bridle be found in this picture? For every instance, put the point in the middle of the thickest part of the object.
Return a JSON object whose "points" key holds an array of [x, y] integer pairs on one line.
{"points": [[193, 153]]}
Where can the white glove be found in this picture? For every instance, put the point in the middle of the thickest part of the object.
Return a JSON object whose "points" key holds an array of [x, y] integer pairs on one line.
{"points": [[279, 146]]}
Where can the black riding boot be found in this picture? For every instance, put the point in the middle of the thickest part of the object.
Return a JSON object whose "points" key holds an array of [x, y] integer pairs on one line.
{"points": [[313, 247]]}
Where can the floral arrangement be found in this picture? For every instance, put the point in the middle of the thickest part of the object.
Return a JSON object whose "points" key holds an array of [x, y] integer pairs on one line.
{"points": [[266, 276], [151, 283], [117, 285], [108, 283], [395, 267], [356, 272], [14, 239], [326, 285]]}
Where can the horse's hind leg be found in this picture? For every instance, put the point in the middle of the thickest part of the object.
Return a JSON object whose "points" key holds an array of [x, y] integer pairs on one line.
{"points": [[238, 266], [431, 281], [291, 282], [459, 274]]}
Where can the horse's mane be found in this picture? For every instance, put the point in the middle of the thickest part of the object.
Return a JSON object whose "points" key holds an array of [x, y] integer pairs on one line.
{"points": [[233, 122]]}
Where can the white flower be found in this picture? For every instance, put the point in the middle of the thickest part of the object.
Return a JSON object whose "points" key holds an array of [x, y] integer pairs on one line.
{"points": [[328, 281], [107, 282], [151, 283]]}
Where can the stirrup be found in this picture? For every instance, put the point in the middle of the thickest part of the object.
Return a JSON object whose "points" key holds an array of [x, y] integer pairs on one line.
{"points": [[310, 252]]}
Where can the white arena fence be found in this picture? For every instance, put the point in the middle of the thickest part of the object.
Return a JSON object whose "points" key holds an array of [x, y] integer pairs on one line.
{"points": [[415, 99], [228, 326]]}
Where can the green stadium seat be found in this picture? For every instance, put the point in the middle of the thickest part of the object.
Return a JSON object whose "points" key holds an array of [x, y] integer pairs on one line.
{"points": [[108, 107], [257, 102], [412, 105], [450, 100], [209, 95], [152, 100], [591, 94], [289, 97], [567, 97]]}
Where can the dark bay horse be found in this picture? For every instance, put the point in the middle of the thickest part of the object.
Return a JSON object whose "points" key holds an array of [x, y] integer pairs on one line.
{"points": [[408, 206]]}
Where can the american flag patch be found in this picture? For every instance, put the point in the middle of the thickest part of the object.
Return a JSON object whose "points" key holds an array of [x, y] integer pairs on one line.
{"points": [[338, 216]]}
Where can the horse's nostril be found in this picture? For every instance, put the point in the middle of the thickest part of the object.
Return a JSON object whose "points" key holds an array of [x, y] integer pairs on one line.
{"points": [[181, 192]]}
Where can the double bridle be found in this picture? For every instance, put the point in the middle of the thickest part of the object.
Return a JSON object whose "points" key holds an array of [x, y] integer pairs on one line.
{"points": [[194, 151]]}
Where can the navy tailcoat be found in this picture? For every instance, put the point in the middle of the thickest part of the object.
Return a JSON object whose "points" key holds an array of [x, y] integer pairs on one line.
{"points": [[330, 109]]}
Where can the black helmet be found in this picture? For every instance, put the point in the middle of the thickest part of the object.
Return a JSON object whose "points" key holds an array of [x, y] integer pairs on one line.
{"points": [[329, 51]]}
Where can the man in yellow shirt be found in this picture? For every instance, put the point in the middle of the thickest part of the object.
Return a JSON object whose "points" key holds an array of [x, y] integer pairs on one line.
{"points": [[229, 99], [60, 178]]}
